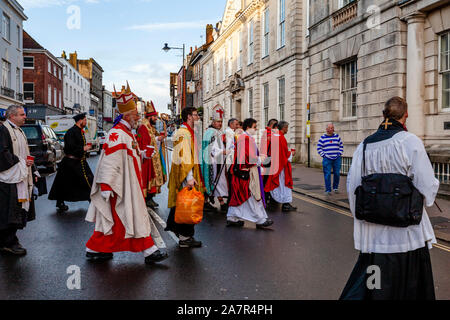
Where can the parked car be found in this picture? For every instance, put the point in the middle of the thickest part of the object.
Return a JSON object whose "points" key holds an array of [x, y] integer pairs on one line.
{"points": [[101, 138], [44, 145]]}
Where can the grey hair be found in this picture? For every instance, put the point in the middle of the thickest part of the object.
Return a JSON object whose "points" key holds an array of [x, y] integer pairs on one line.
{"points": [[282, 124], [12, 110]]}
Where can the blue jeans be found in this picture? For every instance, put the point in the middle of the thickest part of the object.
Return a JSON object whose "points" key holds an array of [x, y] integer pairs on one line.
{"points": [[327, 166]]}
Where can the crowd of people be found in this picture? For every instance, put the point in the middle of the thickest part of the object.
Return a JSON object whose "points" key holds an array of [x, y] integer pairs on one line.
{"points": [[236, 177]]}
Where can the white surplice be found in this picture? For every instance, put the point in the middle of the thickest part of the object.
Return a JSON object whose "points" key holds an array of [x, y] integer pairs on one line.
{"points": [[217, 158], [405, 154], [282, 194]]}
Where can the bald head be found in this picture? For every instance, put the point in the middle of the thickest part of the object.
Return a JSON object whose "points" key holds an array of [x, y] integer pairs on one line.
{"points": [[330, 129]]}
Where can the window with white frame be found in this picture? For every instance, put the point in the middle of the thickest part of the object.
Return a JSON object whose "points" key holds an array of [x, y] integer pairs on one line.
{"points": [[60, 100], [281, 23], [49, 101], [55, 97], [54, 71], [28, 91], [250, 42], [224, 64], [349, 73], [6, 74], [266, 22], [217, 69], [6, 27], [250, 102], [444, 70], [240, 48], [70, 94], [266, 102], [230, 57], [281, 97], [206, 76], [28, 62], [19, 42], [49, 66], [18, 82]]}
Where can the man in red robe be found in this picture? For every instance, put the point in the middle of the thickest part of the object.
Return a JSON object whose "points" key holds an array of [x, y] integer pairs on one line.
{"points": [[118, 208], [152, 174], [247, 191], [279, 182]]}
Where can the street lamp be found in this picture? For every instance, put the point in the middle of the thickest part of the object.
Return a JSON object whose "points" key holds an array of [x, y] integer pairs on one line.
{"points": [[167, 48]]}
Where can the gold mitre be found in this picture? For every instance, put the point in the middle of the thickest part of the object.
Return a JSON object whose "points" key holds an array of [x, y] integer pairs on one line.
{"points": [[125, 101], [150, 109]]}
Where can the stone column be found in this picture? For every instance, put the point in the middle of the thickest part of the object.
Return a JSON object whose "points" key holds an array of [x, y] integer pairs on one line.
{"points": [[415, 74]]}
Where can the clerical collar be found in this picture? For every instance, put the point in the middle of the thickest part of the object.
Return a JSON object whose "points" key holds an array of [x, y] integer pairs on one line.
{"points": [[126, 124], [391, 124], [12, 124]]}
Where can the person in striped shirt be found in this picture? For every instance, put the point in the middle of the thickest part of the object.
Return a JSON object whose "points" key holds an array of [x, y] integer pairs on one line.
{"points": [[331, 148]]}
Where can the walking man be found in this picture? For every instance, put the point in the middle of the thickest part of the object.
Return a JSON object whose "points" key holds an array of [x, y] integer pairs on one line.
{"points": [[247, 191], [279, 182], [213, 160], [401, 254], [74, 178], [331, 148], [185, 172], [149, 140], [16, 181], [118, 208]]}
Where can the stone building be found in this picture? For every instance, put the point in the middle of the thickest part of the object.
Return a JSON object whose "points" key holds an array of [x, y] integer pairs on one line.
{"points": [[361, 53], [254, 66], [11, 55]]}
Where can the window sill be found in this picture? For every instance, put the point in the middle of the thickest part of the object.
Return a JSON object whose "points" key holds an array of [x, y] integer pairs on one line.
{"points": [[282, 47], [266, 56], [9, 41], [348, 119]]}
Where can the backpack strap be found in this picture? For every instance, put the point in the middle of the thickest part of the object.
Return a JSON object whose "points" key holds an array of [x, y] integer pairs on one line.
{"points": [[364, 157]]}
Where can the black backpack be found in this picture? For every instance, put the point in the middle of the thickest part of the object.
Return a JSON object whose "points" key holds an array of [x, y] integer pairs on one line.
{"points": [[388, 199]]}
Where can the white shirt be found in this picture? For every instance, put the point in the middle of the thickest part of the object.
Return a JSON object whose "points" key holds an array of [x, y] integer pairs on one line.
{"points": [[404, 153]]}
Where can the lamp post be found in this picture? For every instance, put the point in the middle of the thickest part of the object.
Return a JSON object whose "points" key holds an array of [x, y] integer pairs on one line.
{"points": [[167, 48]]}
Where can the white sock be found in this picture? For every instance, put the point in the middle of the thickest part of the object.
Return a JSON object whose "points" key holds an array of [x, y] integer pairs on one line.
{"points": [[183, 238], [91, 251], [150, 251]]}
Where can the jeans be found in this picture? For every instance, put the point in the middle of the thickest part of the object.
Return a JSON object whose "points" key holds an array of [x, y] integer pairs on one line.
{"points": [[327, 166]]}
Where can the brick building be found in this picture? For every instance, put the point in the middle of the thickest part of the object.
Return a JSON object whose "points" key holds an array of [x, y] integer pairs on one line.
{"points": [[42, 80]]}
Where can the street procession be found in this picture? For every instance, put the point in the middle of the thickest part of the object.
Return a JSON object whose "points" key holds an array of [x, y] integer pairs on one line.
{"points": [[279, 162]]}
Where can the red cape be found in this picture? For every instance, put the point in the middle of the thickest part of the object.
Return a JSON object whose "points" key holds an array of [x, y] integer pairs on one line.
{"points": [[148, 172], [279, 162]]}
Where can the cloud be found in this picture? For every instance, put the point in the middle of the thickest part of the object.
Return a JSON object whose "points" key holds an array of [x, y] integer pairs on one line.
{"points": [[30, 4], [169, 26]]}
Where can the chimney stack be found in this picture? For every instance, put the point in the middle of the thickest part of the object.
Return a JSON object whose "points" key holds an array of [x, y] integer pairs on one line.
{"points": [[209, 34], [73, 59]]}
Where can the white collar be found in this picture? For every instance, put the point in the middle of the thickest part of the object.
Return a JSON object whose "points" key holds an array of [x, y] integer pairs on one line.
{"points": [[126, 124], [12, 124]]}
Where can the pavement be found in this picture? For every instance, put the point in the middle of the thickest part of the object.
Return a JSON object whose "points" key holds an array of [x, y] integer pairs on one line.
{"points": [[310, 182]]}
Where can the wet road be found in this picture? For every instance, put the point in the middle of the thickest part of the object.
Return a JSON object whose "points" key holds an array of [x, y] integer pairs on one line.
{"points": [[306, 255]]}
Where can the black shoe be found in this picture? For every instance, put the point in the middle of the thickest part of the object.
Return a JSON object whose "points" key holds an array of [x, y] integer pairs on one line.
{"points": [[266, 224], [224, 207], [156, 256], [189, 243], [98, 256], [235, 223], [288, 207], [209, 207], [15, 249], [61, 206]]}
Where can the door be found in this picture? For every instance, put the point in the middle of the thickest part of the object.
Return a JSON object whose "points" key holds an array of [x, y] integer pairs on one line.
{"points": [[238, 110]]}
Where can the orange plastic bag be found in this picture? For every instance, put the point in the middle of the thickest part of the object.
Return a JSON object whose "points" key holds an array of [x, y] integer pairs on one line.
{"points": [[189, 207]]}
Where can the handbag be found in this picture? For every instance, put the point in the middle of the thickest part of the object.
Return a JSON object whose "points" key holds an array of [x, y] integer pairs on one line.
{"points": [[241, 174], [189, 206], [388, 199]]}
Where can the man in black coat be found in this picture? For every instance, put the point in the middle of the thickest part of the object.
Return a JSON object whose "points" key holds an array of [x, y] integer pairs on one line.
{"points": [[74, 178], [16, 200]]}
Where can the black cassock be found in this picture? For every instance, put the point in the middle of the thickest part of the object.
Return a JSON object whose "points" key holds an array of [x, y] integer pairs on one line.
{"points": [[11, 213], [74, 178]]}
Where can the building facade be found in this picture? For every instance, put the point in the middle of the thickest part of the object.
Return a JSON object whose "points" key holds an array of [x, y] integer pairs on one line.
{"points": [[11, 90], [42, 80], [254, 66], [108, 116], [76, 87], [361, 53]]}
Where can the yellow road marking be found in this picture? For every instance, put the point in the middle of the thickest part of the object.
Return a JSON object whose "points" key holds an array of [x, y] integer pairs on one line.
{"points": [[348, 214]]}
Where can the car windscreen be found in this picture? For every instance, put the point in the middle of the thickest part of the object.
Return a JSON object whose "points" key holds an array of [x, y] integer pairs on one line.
{"points": [[31, 132]]}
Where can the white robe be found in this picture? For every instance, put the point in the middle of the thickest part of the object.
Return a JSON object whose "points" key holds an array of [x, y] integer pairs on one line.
{"points": [[121, 170], [217, 157], [405, 154], [230, 136]]}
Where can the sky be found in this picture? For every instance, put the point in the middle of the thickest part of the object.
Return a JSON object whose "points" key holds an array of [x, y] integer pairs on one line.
{"points": [[125, 37]]}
